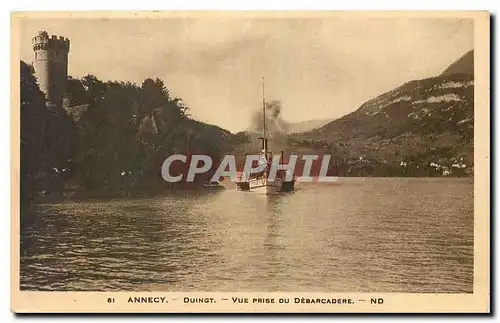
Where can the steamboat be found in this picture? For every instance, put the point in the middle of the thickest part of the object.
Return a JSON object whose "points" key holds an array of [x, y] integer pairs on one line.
{"points": [[260, 182]]}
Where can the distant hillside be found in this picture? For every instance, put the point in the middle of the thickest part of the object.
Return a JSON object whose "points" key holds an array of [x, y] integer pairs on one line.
{"points": [[304, 126], [246, 142], [420, 116], [301, 126], [464, 65], [422, 121]]}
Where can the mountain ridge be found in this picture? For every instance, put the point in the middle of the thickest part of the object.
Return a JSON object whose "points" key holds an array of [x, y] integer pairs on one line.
{"points": [[427, 121], [463, 65]]}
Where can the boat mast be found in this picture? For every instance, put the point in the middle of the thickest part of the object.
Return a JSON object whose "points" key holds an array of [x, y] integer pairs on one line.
{"points": [[264, 116]]}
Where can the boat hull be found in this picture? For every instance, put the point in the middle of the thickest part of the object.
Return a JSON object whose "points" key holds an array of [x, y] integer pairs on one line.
{"points": [[264, 186]]}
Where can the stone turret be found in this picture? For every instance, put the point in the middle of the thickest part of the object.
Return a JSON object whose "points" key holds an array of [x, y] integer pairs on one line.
{"points": [[51, 66]]}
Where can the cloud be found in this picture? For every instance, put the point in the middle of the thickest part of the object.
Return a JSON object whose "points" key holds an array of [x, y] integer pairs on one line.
{"points": [[318, 68]]}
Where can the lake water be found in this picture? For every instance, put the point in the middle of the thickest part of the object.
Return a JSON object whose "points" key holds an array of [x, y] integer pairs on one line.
{"points": [[357, 235]]}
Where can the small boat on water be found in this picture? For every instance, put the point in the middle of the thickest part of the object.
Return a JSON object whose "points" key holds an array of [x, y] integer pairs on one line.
{"points": [[260, 182], [213, 185]]}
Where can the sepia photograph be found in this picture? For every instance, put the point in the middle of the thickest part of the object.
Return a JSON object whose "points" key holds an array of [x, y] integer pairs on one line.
{"points": [[230, 161]]}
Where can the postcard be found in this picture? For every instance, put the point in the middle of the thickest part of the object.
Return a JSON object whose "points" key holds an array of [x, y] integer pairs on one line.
{"points": [[250, 162]]}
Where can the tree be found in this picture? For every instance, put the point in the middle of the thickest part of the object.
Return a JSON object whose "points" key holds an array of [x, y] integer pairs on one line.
{"points": [[121, 139], [45, 139]]}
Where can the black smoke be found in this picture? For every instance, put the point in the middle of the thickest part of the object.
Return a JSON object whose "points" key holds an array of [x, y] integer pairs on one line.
{"points": [[276, 127]]}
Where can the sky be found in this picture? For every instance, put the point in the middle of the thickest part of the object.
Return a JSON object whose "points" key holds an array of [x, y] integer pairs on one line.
{"points": [[319, 68]]}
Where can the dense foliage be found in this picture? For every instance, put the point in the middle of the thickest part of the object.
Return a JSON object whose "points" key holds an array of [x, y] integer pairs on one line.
{"points": [[110, 138], [45, 140]]}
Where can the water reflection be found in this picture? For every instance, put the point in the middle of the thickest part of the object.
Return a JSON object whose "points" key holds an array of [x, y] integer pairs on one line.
{"points": [[409, 235]]}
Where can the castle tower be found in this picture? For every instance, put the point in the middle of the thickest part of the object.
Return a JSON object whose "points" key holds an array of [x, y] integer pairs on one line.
{"points": [[51, 66]]}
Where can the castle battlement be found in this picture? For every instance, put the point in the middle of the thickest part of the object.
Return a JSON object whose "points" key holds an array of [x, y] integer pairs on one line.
{"points": [[51, 65], [43, 41]]}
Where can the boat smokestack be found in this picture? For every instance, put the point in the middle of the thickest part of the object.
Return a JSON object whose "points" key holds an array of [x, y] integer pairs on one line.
{"points": [[264, 144]]}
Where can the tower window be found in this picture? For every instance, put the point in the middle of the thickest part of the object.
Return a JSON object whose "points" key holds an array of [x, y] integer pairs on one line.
{"points": [[36, 55]]}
